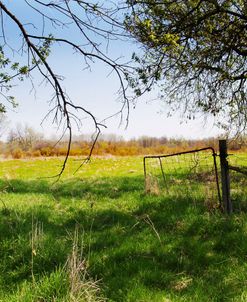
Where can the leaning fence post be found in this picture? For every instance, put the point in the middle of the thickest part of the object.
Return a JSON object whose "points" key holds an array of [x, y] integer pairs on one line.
{"points": [[225, 178]]}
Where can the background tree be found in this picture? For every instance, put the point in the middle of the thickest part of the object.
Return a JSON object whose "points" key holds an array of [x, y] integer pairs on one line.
{"points": [[196, 50], [23, 137]]}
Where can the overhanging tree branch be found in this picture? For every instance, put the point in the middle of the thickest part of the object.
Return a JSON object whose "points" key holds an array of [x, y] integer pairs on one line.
{"points": [[64, 107]]}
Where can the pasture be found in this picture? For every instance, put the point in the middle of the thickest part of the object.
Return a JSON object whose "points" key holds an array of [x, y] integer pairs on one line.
{"points": [[96, 236]]}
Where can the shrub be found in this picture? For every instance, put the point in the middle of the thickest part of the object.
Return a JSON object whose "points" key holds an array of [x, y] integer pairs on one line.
{"points": [[46, 151], [17, 153], [36, 153], [75, 152], [28, 154]]}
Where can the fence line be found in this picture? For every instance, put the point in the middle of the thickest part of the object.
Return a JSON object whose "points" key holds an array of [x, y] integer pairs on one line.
{"points": [[189, 168], [242, 170], [194, 162]]}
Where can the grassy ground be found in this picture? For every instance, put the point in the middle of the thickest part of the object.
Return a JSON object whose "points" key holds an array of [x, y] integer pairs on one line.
{"points": [[56, 240]]}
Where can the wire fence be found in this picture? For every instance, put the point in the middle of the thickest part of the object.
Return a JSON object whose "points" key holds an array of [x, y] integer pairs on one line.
{"points": [[238, 180], [193, 173], [201, 175]]}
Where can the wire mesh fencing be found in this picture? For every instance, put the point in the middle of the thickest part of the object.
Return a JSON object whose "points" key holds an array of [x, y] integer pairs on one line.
{"points": [[238, 180], [193, 173]]}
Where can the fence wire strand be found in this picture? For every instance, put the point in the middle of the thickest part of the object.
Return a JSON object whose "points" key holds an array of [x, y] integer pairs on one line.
{"points": [[189, 174], [238, 180]]}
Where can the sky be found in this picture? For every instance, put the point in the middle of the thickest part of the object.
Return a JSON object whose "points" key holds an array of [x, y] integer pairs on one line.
{"points": [[94, 89]]}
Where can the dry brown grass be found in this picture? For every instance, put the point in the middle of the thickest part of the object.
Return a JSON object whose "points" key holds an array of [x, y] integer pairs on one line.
{"points": [[82, 287], [152, 185]]}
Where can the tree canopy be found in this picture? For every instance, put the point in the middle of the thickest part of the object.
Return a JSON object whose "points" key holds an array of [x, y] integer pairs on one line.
{"points": [[196, 50]]}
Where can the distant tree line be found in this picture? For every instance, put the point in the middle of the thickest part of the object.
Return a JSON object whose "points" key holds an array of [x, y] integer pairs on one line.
{"points": [[25, 142]]}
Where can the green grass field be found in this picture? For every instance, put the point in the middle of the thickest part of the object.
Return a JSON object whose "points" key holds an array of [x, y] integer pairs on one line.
{"points": [[96, 236]]}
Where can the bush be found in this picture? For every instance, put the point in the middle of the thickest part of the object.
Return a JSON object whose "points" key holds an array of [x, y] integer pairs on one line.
{"points": [[46, 151], [17, 153], [75, 152], [36, 153]]}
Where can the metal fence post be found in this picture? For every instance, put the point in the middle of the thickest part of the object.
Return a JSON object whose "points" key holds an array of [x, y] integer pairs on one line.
{"points": [[225, 178]]}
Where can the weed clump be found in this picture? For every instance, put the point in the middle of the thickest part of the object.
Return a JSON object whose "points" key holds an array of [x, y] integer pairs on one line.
{"points": [[70, 283], [82, 288]]}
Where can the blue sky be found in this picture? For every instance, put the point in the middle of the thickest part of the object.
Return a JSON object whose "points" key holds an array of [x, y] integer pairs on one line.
{"points": [[96, 90]]}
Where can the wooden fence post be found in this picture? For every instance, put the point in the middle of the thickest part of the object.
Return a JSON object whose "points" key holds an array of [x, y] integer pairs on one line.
{"points": [[225, 178]]}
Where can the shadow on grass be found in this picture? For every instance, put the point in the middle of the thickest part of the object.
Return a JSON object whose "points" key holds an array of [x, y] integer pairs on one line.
{"points": [[160, 248], [77, 187]]}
